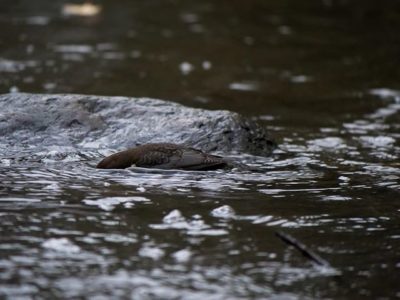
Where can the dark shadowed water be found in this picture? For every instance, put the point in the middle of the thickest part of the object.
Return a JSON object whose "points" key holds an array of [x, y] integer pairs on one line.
{"points": [[323, 76]]}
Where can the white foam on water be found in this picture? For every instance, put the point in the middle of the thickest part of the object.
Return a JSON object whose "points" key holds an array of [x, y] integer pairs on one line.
{"points": [[224, 212], [61, 245], [182, 255], [151, 252], [110, 203]]}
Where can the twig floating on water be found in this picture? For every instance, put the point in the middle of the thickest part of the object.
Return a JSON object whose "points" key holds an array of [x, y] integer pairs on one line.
{"points": [[302, 248]]}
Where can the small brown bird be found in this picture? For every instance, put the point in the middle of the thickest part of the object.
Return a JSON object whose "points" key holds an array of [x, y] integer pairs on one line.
{"points": [[163, 156]]}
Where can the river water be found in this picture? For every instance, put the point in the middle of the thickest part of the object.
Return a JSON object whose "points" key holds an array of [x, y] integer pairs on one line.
{"points": [[321, 75]]}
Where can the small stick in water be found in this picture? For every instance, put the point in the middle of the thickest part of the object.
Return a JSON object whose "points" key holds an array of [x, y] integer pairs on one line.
{"points": [[302, 248]]}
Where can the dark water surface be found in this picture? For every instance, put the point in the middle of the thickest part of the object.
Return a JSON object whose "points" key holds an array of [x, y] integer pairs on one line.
{"points": [[322, 75]]}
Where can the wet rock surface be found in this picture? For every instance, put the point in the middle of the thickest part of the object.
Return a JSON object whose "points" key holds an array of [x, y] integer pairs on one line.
{"points": [[122, 122]]}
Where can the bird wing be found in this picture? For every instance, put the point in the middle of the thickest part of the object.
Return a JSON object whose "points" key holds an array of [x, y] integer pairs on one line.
{"points": [[153, 158], [192, 159]]}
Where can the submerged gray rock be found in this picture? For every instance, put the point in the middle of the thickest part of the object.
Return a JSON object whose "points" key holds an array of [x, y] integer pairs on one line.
{"points": [[99, 122]]}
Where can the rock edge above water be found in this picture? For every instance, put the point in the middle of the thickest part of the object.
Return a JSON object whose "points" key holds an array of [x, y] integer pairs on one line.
{"points": [[98, 122]]}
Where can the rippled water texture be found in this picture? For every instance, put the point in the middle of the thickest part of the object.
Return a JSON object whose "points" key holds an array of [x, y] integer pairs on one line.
{"points": [[322, 76]]}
